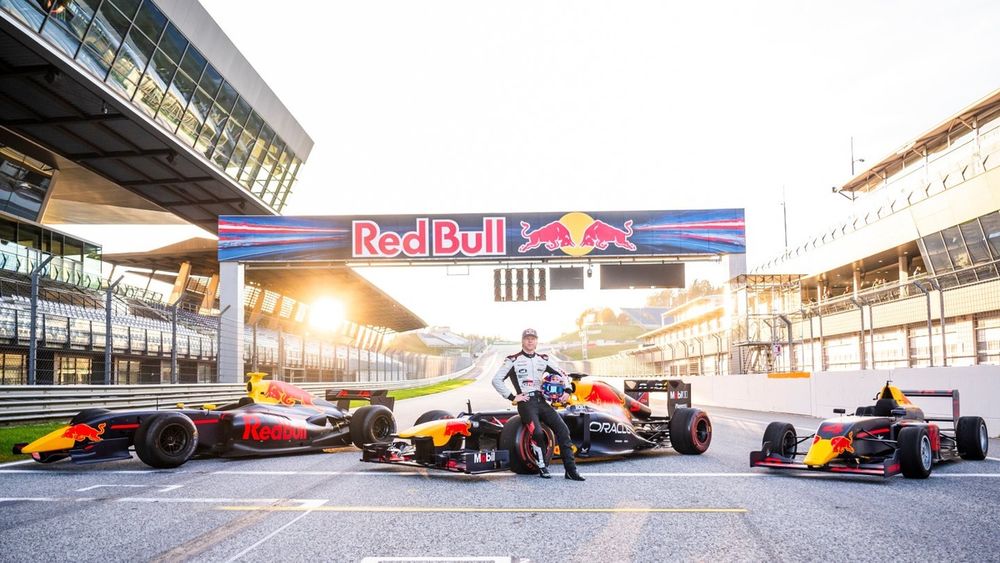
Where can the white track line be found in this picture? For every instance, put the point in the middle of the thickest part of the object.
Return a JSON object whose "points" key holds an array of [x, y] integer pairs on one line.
{"points": [[23, 461], [317, 502]]}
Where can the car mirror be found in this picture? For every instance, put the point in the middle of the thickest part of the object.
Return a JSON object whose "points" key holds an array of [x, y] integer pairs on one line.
{"points": [[898, 411], [839, 411]]}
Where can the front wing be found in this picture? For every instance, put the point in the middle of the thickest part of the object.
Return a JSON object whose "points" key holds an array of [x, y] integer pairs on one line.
{"points": [[887, 468], [458, 461]]}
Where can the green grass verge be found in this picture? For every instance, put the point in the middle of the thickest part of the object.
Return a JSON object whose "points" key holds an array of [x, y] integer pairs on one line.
{"points": [[574, 353], [10, 435], [605, 332], [400, 394]]}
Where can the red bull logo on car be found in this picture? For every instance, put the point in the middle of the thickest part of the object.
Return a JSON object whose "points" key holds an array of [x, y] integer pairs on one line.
{"points": [[841, 444], [81, 432], [258, 430]]}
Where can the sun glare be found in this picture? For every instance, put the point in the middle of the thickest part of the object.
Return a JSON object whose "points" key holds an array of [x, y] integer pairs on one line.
{"points": [[326, 314]]}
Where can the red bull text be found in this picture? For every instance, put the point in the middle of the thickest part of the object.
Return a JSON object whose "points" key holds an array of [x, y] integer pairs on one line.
{"points": [[255, 429], [440, 237]]}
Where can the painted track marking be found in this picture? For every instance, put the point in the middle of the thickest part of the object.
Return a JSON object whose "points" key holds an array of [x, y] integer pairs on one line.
{"points": [[498, 509], [314, 504]]}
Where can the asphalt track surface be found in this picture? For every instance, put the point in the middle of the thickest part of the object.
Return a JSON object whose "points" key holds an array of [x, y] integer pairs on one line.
{"points": [[657, 506]]}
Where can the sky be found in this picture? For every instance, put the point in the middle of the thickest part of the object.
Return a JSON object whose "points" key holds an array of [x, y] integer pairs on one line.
{"points": [[476, 107]]}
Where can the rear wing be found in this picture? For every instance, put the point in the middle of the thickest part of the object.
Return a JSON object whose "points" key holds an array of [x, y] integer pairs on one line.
{"points": [[343, 397], [952, 393], [678, 392]]}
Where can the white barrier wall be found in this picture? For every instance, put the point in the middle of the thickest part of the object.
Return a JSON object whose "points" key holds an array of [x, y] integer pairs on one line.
{"points": [[821, 392]]}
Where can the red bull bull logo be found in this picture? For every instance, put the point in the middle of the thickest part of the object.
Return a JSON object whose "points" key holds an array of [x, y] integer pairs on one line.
{"points": [[80, 432], [287, 394], [438, 237], [552, 235], [841, 444], [576, 234]]}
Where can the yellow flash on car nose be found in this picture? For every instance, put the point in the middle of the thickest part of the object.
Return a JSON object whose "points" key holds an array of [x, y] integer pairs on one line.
{"points": [[51, 442], [820, 453]]}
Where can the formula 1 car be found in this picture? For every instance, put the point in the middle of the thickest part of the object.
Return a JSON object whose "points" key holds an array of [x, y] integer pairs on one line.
{"points": [[602, 422], [274, 418], [891, 437]]}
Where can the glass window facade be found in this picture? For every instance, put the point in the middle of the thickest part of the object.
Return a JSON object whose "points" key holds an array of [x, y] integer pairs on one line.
{"points": [[23, 183], [970, 250], [132, 46]]}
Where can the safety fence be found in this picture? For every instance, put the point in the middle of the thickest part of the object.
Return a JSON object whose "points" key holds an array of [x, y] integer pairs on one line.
{"points": [[151, 343], [20, 403]]}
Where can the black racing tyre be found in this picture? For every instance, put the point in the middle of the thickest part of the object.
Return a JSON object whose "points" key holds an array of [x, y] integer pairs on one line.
{"points": [[87, 414], [915, 454], [455, 442], [516, 439], [782, 439], [371, 424], [166, 440], [973, 438], [690, 431]]}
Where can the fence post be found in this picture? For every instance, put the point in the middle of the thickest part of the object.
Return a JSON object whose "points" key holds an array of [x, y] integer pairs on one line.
{"points": [[944, 351], [173, 342], [218, 344], [108, 340], [32, 344], [930, 325], [861, 341]]}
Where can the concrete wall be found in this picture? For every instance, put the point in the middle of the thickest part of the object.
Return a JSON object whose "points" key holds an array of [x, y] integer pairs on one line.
{"points": [[821, 392]]}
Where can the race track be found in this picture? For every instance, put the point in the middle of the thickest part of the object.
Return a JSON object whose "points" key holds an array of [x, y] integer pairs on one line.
{"points": [[653, 507]]}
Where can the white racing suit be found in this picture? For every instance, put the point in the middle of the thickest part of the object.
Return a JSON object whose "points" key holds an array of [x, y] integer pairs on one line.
{"points": [[527, 373]]}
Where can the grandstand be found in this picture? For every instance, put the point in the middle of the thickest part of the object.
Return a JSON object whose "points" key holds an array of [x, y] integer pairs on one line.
{"points": [[909, 279], [143, 112]]}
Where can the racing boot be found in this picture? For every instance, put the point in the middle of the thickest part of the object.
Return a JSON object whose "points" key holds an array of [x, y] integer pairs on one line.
{"points": [[572, 474], [543, 471]]}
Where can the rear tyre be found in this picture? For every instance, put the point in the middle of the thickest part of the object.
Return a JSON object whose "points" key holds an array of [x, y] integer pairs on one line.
{"points": [[372, 424], [690, 431], [915, 454], [973, 438], [166, 440], [455, 442], [516, 439], [781, 438]]}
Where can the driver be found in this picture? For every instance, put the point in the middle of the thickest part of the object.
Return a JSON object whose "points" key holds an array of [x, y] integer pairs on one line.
{"points": [[527, 372]]}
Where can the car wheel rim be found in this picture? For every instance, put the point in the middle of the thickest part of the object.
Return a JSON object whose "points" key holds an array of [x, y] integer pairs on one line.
{"points": [[173, 440], [788, 445], [381, 428], [984, 439], [701, 431], [925, 452]]}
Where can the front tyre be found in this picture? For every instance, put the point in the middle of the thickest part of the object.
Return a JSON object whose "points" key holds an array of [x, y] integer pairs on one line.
{"points": [[690, 431], [915, 454], [516, 439], [973, 438], [372, 424], [780, 439], [166, 440]]}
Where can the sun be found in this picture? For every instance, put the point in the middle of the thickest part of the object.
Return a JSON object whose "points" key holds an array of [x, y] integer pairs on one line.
{"points": [[326, 314]]}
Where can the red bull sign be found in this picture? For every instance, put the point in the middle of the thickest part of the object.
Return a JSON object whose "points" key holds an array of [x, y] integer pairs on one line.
{"points": [[527, 236]]}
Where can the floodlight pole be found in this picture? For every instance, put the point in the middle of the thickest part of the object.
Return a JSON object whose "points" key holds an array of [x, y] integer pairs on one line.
{"points": [[108, 340], [173, 342], [32, 343]]}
